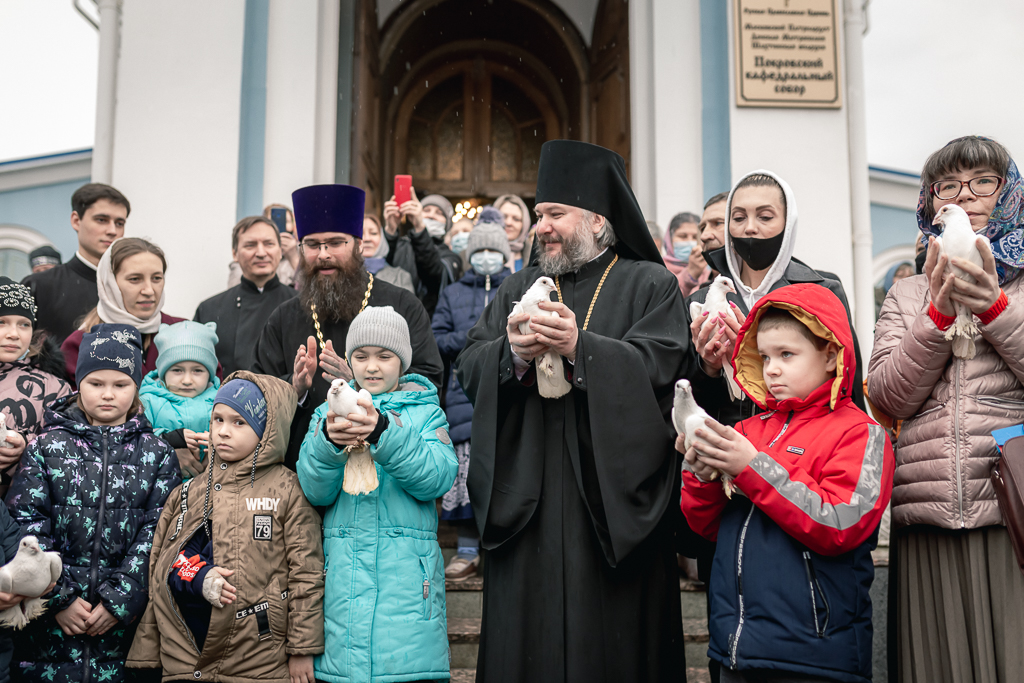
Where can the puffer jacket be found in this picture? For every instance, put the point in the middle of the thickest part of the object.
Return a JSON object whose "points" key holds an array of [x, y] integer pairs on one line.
{"points": [[168, 412], [384, 603], [72, 475], [269, 535], [458, 309], [949, 406], [792, 570]]}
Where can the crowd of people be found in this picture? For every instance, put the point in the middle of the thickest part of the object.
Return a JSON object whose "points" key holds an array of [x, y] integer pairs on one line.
{"points": [[226, 506]]}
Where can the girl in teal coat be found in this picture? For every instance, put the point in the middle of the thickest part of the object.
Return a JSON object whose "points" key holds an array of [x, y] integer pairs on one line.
{"points": [[384, 604], [178, 395]]}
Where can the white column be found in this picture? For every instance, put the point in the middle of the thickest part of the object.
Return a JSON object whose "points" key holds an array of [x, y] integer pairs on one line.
{"points": [[288, 160], [860, 194], [677, 109], [106, 90], [326, 126], [642, 112], [176, 151]]}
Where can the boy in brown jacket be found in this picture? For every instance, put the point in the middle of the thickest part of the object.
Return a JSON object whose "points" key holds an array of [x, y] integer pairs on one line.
{"points": [[237, 585]]}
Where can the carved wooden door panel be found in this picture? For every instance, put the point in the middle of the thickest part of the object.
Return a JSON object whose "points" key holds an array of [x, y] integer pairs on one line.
{"points": [[365, 163], [609, 78]]}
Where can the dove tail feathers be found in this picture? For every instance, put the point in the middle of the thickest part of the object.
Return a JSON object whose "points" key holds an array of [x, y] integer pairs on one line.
{"points": [[962, 332], [551, 382], [735, 393], [360, 473]]}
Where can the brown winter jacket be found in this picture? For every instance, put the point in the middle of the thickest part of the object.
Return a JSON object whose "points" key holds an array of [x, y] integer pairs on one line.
{"points": [[945, 451], [283, 575]]}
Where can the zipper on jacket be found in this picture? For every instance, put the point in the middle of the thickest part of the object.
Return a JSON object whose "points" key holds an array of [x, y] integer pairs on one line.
{"points": [[785, 426], [956, 442], [170, 595], [739, 584], [97, 544], [812, 583]]}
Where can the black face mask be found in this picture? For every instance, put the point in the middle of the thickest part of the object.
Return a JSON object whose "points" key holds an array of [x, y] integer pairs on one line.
{"points": [[758, 253]]}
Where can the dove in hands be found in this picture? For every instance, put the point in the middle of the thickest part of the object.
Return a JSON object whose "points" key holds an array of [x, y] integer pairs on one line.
{"points": [[29, 573], [958, 240], [551, 381], [688, 417], [717, 303], [360, 469]]}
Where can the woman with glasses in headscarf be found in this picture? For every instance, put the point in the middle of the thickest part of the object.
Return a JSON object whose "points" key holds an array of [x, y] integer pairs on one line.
{"points": [[960, 594]]}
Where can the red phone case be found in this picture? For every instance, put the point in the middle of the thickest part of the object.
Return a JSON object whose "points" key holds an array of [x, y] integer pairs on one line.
{"points": [[403, 188]]}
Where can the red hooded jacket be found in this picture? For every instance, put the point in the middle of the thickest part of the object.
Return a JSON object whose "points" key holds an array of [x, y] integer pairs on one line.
{"points": [[823, 472]]}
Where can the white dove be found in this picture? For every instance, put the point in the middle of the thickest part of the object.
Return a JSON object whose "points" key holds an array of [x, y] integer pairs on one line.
{"points": [[360, 470], [551, 381], [3, 432], [30, 572], [959, 240], [715, 303], [688, 417]]}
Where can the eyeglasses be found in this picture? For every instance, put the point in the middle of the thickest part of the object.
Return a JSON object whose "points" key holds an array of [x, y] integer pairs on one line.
{"points": [[982, 186], [335, 244]]}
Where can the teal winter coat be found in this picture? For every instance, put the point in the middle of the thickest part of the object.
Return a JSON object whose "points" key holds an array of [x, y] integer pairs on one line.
{"points": [[168, 412], [384, 604]]}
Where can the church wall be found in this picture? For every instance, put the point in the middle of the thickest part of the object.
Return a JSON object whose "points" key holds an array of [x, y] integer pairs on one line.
{"points": [[176, 148]]}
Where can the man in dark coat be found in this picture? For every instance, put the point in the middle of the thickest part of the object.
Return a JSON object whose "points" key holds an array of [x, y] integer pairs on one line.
{"points": [[576, 496], [66, 293], [303, 333], [243, 310]]}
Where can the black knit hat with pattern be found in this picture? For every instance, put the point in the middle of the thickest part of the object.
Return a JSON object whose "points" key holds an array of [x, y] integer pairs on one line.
{"points": [[16, 299]]}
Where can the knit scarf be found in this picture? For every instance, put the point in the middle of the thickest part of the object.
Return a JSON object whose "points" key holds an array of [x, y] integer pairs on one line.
{"points": [[1005, 228], [111, 304]]}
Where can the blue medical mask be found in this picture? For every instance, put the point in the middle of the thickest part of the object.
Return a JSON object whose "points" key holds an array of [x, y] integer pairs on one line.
{"points": [[435, 228], [682, 250], [486, 262], [460, 242]]}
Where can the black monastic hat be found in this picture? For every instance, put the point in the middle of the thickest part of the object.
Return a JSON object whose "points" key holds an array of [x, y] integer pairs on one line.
{"points": [[594, 178], [329, 208]]}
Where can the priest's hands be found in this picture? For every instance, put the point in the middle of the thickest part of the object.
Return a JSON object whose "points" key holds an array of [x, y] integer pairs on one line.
{"points": [[525, 346], [334, 366], [304, 368], [561, 333], [353, 429]]}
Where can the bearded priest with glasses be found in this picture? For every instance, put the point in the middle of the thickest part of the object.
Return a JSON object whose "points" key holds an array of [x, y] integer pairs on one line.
{"points": [[303, 342], [576, 497]]}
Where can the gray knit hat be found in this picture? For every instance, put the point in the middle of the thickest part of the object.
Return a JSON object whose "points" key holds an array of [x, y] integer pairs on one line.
{"points": [[488, 236], [380, 326]]}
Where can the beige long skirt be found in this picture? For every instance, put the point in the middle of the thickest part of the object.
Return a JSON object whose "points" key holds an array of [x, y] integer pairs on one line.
{"points": [[960, 607]]}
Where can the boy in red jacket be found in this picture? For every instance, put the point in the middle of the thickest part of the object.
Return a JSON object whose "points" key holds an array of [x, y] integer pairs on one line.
{"points": [[790, 579]]}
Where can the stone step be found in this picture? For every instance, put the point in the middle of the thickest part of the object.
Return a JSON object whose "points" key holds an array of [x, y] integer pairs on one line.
{"points": [[693, 675]]}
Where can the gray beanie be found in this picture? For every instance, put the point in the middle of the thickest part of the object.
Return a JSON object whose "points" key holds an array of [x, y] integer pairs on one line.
{"points": [[488, 236], [380, 326]]}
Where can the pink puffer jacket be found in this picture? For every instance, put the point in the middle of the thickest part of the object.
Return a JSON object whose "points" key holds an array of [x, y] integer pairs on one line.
{"points": [[945, 451]]}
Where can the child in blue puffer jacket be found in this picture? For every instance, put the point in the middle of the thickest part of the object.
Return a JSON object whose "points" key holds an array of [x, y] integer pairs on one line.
{"points": [[458, 309], [384, 601], [179, 394]]}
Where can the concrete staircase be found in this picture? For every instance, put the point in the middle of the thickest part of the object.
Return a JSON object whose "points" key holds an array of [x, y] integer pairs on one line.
{"points": [[465, 603]]}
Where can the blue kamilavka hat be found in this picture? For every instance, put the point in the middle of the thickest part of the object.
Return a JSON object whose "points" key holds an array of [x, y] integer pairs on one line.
{"points": [[329, 208]]}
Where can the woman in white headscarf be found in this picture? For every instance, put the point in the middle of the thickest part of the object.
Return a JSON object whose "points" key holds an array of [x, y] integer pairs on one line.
{"points": [[130, 284]]}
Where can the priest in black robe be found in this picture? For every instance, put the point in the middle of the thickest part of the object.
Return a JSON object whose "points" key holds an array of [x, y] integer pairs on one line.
{"points": [[577, 497], [299, 341], [241, 311]]}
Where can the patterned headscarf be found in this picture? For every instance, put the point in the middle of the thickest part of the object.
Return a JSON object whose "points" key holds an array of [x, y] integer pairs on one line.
{"points": [[1005, 228]]}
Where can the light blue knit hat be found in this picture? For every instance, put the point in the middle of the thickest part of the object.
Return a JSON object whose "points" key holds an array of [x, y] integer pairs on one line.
{"points": [[186, 341]]}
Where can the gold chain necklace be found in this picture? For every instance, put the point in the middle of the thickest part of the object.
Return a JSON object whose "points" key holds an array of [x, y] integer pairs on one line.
{"points": [[316, 320], [558, 287]]}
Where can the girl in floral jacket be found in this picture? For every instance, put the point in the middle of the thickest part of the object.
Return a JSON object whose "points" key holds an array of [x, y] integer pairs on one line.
{"points": [[97, 460]]}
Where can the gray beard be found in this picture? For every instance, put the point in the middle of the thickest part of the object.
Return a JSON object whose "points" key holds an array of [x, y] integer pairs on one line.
{"points": [[577, 250]]}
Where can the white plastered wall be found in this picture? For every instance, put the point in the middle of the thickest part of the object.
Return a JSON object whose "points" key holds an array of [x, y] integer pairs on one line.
{"points": [[176, 140]]}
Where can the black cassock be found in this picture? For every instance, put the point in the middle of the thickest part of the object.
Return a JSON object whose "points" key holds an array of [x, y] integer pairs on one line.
{"points": [[240, 314], [291, 324], [576, 497]]}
